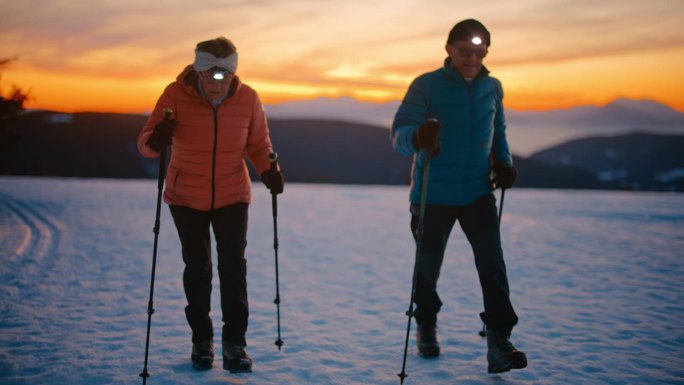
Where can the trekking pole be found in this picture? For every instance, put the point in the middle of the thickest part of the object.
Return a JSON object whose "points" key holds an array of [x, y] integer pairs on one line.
{"points": [[483, 332], [150, 307], [273, 159], [503, 191], [419, 242]]}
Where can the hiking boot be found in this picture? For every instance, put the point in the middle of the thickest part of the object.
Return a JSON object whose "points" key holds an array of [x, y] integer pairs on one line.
{"points": [[235, 358], [502, 356], [427, 340], [202, 354]]}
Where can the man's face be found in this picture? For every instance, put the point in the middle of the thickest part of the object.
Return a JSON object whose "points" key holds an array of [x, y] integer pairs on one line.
{"points": [[466, 57]]}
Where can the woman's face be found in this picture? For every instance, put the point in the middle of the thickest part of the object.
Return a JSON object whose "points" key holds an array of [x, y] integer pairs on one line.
{"points": [[215, 88]]}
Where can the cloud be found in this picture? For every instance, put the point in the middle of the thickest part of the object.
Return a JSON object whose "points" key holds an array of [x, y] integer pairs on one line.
{"points": [[351, 48], [65, 34], [574, 30]]}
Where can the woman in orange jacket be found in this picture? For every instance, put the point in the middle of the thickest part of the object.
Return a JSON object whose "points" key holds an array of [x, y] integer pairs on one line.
{"points": [[216, 122]]}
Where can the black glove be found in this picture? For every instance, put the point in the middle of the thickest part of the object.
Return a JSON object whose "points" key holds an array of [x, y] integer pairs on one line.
{"points": [[504, 175], [274, 181], [426, 137], [161, 135]]}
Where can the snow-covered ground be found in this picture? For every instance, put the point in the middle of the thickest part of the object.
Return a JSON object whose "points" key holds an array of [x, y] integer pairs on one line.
{"points": [[596, 278]]}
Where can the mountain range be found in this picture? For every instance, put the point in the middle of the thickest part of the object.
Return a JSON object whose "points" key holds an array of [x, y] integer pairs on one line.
{"points": [[333, 151], [528, 131]]}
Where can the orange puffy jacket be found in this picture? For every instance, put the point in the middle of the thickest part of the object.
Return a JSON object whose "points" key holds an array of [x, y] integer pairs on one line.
{"points": [[207, 168]]}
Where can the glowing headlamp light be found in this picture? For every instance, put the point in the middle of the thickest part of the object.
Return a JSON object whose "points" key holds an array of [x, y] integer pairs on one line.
{"points": [[476, 40], [219, 74]]}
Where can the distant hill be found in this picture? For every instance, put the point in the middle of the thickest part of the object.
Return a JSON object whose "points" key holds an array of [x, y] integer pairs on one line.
{"points": [[635, 161], [322, 151], [540, 174], [338, 152], [103, 145], [528, 131], [619, 114], [76, 145]]}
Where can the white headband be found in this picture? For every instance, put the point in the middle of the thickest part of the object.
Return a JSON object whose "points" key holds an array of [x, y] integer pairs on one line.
{"points": [[205, 61]]}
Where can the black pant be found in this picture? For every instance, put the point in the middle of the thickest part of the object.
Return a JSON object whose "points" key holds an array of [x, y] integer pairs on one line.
{"points": [[479, 222], [230, 231]]}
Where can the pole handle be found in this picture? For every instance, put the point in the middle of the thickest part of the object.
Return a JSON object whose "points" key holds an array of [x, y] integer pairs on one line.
{"points": [[167, 113], [273, 160]]}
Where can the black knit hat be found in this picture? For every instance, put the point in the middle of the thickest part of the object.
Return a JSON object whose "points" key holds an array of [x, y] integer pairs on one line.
{"points": [[467, 30]]}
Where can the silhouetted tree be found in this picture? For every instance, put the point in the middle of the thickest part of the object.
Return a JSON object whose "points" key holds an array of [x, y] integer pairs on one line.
{"points": [[11, 106]]}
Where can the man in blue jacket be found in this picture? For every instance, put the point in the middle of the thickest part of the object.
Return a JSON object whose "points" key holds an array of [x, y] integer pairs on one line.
{"points": [[454, 118]]}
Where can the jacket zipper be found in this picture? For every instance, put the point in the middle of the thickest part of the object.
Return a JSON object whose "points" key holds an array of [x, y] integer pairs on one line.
{"points": [[471, 107], [213, 160]]}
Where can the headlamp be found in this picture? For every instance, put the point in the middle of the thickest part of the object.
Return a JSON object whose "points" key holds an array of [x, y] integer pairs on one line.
{"points": [[476, 40], [219, 73]]}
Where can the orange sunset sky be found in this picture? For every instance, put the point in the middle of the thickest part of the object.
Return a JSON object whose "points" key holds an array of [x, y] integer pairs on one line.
{"points": [[117, 56]]}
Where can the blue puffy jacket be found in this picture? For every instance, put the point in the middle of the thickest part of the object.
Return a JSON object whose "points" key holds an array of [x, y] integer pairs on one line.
{"points": [[473, 127]]}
